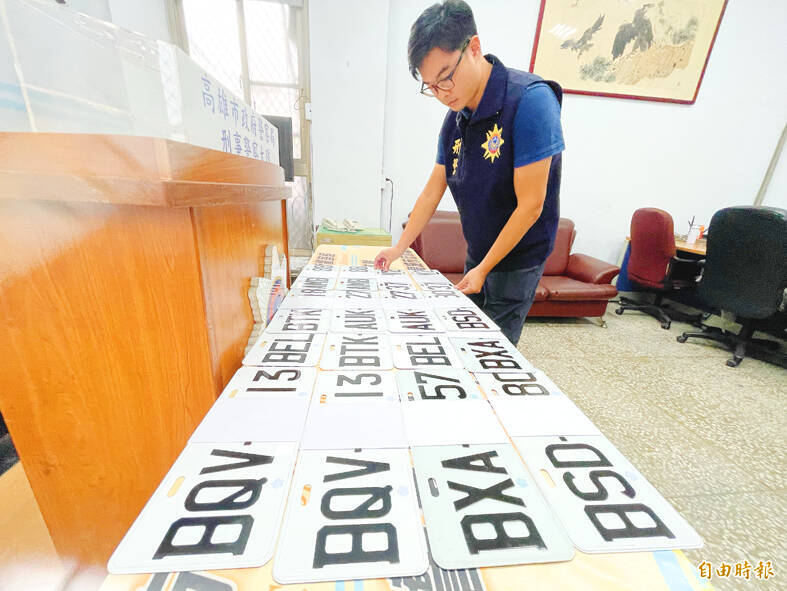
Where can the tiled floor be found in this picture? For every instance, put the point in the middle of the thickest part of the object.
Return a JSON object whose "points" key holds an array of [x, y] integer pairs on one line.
{"points": [[710, 438]]}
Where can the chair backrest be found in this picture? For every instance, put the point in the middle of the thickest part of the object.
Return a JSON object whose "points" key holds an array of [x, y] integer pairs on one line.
{"points": [[441, 243], [746, 261], [557, 261], [652, 246]]}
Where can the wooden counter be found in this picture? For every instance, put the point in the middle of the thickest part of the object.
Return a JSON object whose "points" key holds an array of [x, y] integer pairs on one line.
{"points": [[123, 312]]}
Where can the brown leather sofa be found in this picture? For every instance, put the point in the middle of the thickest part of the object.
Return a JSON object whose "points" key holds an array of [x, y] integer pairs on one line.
{"points": [[572, 285]]}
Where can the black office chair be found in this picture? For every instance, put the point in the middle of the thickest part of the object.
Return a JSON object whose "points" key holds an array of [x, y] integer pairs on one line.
{"points": [[745, 273]]}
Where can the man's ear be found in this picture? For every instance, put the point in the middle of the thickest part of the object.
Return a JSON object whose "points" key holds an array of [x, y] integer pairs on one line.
{"points": [[475, 46]]}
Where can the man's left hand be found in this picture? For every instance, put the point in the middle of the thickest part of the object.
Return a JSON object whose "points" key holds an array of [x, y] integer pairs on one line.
{"points": [[472, 282]]}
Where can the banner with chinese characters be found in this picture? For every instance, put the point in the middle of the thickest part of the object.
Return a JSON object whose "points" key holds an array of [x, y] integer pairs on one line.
{"points": [[214, 117]]}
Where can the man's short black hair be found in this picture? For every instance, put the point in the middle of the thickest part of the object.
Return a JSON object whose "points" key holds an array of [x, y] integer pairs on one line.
{"points": [[446, 25]]}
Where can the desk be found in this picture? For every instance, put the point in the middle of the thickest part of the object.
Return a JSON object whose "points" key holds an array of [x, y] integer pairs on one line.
{"points": [[124, 311], [644, 571], [698, 247], [622, 283]]}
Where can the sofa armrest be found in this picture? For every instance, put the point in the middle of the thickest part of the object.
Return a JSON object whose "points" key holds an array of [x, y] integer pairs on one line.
{"points": [[589, 269]]}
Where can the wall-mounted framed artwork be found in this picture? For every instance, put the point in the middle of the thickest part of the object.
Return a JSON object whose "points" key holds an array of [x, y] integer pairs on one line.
{"points": [[653, 50]]}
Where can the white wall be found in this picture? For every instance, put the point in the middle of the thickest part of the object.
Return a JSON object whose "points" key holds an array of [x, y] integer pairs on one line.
{"points": [[148, 17], [348, 65], [620, 154]]}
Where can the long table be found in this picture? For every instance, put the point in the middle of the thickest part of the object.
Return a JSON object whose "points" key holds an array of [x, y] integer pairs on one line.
{"points": [[644, 571]]}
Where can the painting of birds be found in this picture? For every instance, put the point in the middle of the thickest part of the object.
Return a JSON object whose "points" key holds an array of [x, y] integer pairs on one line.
{"points": [[639, 31], [583, 44]]}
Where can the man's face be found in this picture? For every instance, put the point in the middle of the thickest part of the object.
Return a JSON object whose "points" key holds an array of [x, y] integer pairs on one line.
{"points": [[438, 64]]}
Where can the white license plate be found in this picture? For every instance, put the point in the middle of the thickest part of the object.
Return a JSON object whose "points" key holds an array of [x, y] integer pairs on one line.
{"points": [[451, 422], [518, 383], [603, 502], [365, 283], [326, 269], [464, 319], [423, 351], [314, 281], [357, 298], [413, 320], [429, 276], [483, 509], [358, 320], [295, 349], [366, 350], [351, 515], [218, 507], [356, 271], [254, 382], [314, 319], [395, 300], [437, 384], [356, 386], [403, 284], [488, 352], [391, 273]]}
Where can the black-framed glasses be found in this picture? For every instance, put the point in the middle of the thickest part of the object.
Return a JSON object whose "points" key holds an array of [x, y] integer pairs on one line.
{"points": [[446, 83]]}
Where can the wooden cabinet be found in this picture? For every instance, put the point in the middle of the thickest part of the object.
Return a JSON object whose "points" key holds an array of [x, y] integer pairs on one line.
{"points": [[123, 312]]}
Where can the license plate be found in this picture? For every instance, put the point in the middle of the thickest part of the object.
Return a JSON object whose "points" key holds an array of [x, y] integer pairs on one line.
{"points": [[392, 273], [488, 352], [604, 504], [314, 319], [350, 297], [256, 382], [357, 271], [411, 320], [314, 281], [358, 320], [389, 284], [357, 351], [429, 276], [483, 509], [326, 269], [518, 383], [541, 415], [356, 386], [218, 507], [300, 300], [451, 422], [351, 515], [423, 351], [463, 319], [364, 283], [437, 384], [395, 300], [295, 349]]}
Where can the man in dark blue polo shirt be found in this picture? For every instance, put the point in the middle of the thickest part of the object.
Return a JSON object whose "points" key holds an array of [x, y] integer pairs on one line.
{"points": [[499, 151]]}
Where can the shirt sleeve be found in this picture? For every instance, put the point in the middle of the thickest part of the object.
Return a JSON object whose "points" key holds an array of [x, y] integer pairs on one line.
{"points": [[440, 155], [537, 130]]}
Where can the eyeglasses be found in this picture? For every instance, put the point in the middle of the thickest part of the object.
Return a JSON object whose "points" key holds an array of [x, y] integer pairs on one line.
{"points": [[446, 83]]}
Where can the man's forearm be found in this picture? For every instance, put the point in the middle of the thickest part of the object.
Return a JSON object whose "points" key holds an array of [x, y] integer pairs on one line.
{"points": [[517, 226]]}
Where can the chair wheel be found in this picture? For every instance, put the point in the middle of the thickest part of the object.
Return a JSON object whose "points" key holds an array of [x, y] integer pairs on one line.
{"points": [[619, 311], [666, 325], [682, 338]]}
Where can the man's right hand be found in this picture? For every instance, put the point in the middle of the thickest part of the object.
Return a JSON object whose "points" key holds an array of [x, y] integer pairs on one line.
{"points": [[385, 257]]}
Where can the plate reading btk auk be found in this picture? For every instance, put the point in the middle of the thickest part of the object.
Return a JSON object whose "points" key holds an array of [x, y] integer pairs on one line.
{"points": [[351, 515], [219, 507], [368, 350]]}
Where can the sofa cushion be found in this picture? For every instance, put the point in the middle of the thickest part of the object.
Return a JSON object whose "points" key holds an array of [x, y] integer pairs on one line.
{"points": [[566, 289], [558, 259], [443, 244]]}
